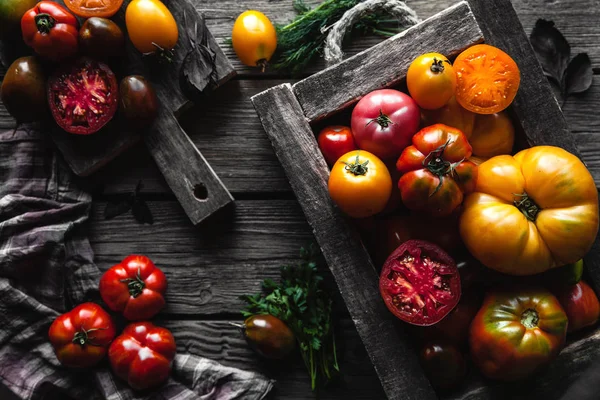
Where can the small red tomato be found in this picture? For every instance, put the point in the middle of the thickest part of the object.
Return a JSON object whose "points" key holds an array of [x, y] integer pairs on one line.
{"points": [[135, 287], [50, 30], [384, 122], [334, 142], [581, 305], [81, 336], [142, 355]]}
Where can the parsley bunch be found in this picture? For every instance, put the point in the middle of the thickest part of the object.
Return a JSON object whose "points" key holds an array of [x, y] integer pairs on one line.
{"points": [[301, 303]]}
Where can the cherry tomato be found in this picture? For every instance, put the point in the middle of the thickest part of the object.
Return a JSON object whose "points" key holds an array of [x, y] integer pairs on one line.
{"points": [[135, 287], [431, 80], [94, 8], [420, 283], [444, 365], [384, 121], [269, 336], [142, 355], [436, 175], [360, 184], [565, 276], [151, 27], [493, 135], [334, 142], [81, 337], [487, 79], [254, 39], [581, 305], [50, 30]]}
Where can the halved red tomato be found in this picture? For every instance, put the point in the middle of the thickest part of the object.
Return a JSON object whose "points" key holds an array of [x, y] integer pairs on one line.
{"points": [[420, 283]]}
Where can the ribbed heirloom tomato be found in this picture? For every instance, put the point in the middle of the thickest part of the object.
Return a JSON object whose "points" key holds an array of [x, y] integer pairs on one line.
{"points": [[517, 332], [435, 170], [360, 184], [531, 212], [135, 287], [142, 355], [81, 336]]}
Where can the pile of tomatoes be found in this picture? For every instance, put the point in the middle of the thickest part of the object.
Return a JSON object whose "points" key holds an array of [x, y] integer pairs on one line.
{"points": [[82, 94], [143, 353], [481, 245]]}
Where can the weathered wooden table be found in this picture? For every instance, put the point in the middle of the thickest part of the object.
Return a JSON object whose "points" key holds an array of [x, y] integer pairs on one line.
{"points": [[209, 266]]}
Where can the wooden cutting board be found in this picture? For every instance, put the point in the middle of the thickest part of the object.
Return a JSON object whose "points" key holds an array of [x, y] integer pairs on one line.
{"points": [[195, 184]]}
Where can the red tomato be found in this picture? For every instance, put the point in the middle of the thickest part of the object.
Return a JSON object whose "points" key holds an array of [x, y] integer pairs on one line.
{"points": [[419, 283], [580, 304], [142, 355], [436, 173], [335, 141], [50, 30], [135, 287], [81, 337], [384, 122]]}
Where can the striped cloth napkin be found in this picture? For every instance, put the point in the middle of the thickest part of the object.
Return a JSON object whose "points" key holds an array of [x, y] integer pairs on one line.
{"points": [[46, 268]]}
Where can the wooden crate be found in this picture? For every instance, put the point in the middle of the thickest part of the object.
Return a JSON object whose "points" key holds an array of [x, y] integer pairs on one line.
{"points": [[287, 113]]}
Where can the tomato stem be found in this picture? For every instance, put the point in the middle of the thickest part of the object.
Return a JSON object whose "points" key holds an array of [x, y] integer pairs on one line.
{"points": [[527, 206], [382, 120], [356, 167], [530, 318], [82, 337], [437, 66], [44, 22], [164, 55], [135, 285], [262, 64], [437, 165]]}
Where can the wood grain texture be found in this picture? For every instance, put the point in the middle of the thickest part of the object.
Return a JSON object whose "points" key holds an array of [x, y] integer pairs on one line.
{"points": [[394, 359], [193, 181], [385, 64]]}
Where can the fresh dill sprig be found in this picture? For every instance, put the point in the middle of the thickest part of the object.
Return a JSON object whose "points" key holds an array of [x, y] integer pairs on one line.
{"points": [[301, 41]]}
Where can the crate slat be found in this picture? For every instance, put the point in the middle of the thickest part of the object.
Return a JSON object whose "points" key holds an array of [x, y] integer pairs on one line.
{"points": [[385, 64], [295, 145]]}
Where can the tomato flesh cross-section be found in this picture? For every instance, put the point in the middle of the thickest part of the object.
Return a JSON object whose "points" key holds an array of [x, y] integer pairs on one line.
{"points": [[420, 283]]}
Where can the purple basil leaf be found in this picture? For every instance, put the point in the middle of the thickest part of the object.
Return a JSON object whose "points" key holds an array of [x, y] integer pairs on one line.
{"points": [[114, 209], [579, 74], [141, 212], [552, 50]]}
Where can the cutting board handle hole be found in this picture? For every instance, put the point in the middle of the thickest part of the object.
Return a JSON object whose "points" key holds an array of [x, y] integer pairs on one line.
{"points": [[200, 192]]}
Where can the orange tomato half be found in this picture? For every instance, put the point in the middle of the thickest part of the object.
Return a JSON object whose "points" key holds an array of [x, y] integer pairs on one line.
{"points": [[360, 184], [487, 79], [94, 8], [254, 38]]}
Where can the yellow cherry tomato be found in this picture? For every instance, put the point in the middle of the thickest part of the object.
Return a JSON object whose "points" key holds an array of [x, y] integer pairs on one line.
{"points": [[151, 26], [431, 80], [254, 39], [360, 184]]}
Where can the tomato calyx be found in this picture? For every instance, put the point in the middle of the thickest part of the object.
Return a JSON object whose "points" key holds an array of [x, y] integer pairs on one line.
{"points": [[357, 168], [82, 337], [437, 66], [382, 120], [44, 23], [526, 205], [163, 54], [135, 285], [437, 165], [530, 318]]}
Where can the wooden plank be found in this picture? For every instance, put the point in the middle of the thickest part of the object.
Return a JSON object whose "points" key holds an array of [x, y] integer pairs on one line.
{"points": [[394, 359], [208, 268], [219, 341], [385, 64], [192, 179], [577, 19]]}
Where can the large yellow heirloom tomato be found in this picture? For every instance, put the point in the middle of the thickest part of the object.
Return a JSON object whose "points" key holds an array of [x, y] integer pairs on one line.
{"points": [[531, 212]]}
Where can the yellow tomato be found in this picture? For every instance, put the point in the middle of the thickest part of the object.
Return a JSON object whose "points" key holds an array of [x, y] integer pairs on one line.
{"points": [[493, 135], [254, 39], [452, 114], [531, 212], [431, 80], [360, 184], [151, 26]]}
